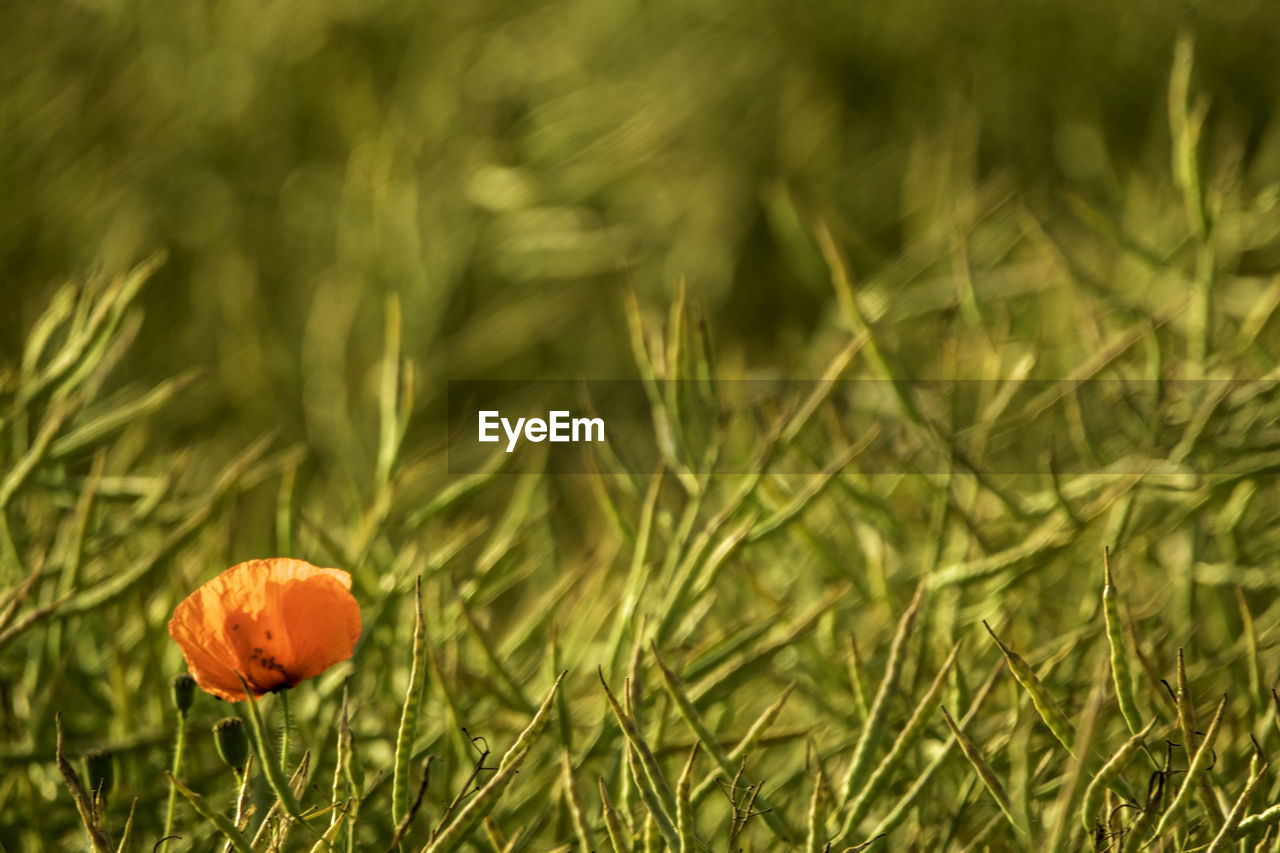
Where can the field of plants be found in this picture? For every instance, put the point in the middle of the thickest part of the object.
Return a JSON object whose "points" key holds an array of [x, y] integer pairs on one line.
{"points": [[992, 565]]}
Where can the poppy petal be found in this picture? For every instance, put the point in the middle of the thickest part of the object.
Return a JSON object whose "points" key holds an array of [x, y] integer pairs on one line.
{"points": [[206, 654], [317, 644], [275, 622]]}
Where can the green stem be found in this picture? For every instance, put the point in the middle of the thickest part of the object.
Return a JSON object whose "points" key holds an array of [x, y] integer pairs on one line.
{"points": [[179, 749], [270, 767], [284, 736], [242, 800]]}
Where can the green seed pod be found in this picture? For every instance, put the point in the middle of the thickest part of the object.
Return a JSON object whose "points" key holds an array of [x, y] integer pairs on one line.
{"points": [[184, 692], [618, 837], [232, 742], [985, 773], [1195, 771], [99, 768], [1044, 704], [1109, 773], [1120, 673]]}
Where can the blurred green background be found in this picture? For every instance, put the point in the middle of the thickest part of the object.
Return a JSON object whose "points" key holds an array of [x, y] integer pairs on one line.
{"points": [[506, 167], [1001, 179]]}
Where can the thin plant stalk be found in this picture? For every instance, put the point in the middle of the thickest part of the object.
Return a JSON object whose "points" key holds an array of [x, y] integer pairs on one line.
{"points": [[242, 800], [284, 734], [276, 777], [179, 748]]}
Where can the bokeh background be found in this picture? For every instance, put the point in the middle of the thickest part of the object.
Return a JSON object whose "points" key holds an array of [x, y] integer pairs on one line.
{"points": [[506, 168], [1005, 182], [1008, 185]]}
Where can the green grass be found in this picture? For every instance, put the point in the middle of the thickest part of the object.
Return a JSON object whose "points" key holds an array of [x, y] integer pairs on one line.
{"points": [[632, 661]]}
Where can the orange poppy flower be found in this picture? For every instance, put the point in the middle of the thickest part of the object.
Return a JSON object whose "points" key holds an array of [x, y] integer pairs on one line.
{"points": [[275, 622]]}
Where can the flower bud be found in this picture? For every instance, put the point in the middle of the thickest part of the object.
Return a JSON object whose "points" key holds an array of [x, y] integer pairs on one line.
{"points": [[99, 768], [232, 742], [184, 692]]}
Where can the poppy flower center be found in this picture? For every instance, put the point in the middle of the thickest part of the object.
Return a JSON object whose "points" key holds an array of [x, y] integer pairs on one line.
{"points": [[260, 650]]}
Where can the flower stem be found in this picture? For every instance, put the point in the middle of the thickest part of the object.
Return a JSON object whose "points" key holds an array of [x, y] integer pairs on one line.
{"points": [[179, 749], [284, 736], [275, 776]]}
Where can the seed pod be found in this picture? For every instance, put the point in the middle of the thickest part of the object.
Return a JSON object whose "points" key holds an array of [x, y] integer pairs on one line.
{"points": [[1044, 704], [1109, 773], [985, 773], [184, 692], [1120, 673], [99, 768], [1225, 838], [1195, 771], [232, 742], [618, 836]]}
